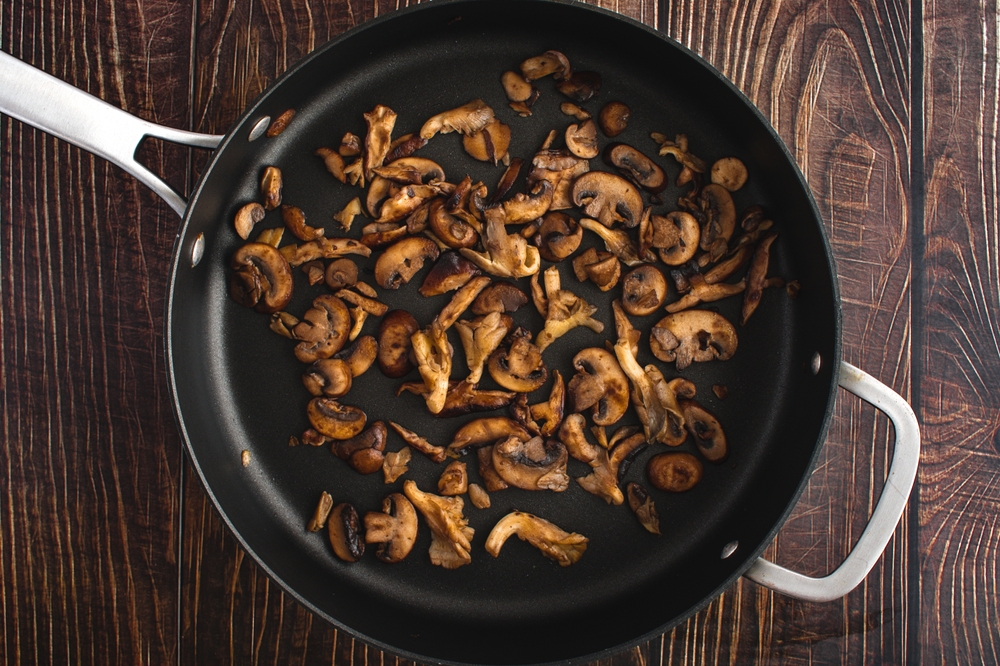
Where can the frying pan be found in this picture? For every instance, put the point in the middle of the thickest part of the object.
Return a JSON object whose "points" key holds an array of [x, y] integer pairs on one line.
{"points": [[236, 385]]}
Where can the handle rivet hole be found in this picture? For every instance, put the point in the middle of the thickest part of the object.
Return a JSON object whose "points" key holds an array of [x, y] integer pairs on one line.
{"points": [[197, 250], [729, 549], [816, 363], [259, 128]]}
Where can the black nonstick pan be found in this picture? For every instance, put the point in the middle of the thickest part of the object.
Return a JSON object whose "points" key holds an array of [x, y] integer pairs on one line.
{"points": [[237, 387]]}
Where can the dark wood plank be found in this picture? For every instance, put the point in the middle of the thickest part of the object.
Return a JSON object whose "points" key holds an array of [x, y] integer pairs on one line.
{"points": [[90, 456], [960, 476]]}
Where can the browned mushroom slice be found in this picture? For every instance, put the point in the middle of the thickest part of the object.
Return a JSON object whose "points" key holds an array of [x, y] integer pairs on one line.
{"points": [[394, 343], [614, 118], [401, 261], [334, 162], [676, 236], [601, 268], [493, 482], [262, 278], [270, 187], [435, 453], [271, 236], [674, 472], [453, 231], [679, 149], [580, 86], [600, 384], [490, 144], [720, 217], [726, 268], [344, 531], [609, 465], [485, 431], [478, 496], [341, 273], [334, 420], [363, 451], [246, 217], [558, 236], [282, 323], [359, 356], [565, 311], [380, 122], [350, 145], [466, 119], [550, 412], [702, 292], [561, 168], [313, 270], [523, 208], [454, 480], [643, 290], [323, 330], [582, 139], [729, 172], [405, 146], [404, 201], [534, 464], [608, 197], [518, 367], [506, 255], [499, 297], [571, 109], [323, 508], [480, 338], [636, 166], [693, 335], [451, 271], [396, 464], [463, 398], [433, 354], [295, 221], [451, 540], [516, 87], [706, 430], [322, 248], [757, 276], [556, 544], [642, 505], [572, 434], [369, 305], [460, 302], [394, 529], [328, 377], [550, 62]]}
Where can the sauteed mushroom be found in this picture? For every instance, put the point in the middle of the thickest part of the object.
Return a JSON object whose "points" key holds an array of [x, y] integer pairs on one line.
{"points": [[394, 343], [451, 535], [600, 384], [363, 451], [617, 241], [394, 529], [328, 377], [344, 531], [270, 187], [499, 297], [380, 121], [561, 168], [462, 398], [643, 290], [454, 479], [466, 119], [323, 330], [706, 430], [642, 504], [433, 354], [480, 337], [614, 118], [262, 279], [322, 248], [558, 236], [533, 464], [564, 547], [582, 139], [565, 311], [550, 62], [636, 166], [359, 356], [485, 432], [693, 335], [580, 86], [453, 231], [506, 255], [674, 472], [435, 453], [518, 367], [571, 109], [402, 260], [295, 221], [246, 217], [608, 197], [729, 172], [675, 235], [490, 144], [334, 420], [451, 271], [601, 268]]}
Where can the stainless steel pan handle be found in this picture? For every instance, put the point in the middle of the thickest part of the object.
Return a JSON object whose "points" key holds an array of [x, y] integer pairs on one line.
{"points": [[888, 511], [56, 107]]}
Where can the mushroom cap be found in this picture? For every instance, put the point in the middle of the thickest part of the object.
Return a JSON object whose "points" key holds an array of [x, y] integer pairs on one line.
{"points": [[729, 172], [328, 377], [643, 290], [674, 472], [550, 62], [499, 297], [452, 230], [614, 118], [263, 278], [580, 86], [402, 260], [594, 364], [608, 198], [720, 215], [341, 273], [693, 335], [394, 528], [334, 420], [359, 356], [394, 343], [675, 235], [533, 464], [706, 430]]}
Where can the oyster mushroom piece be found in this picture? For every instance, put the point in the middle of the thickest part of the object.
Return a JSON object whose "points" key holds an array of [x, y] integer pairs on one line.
{"points": [[674, 472], [702, 292], [334, 163], [246, 217], [565, 311], [729, 172], [564, 547], [507, 256], [433, 354], [450, 272], [380, 121], [608, 197], [480, 337], [706, 430], [334, 420], [323, 330], [614, 118], [617, 241], [518, 367], [405, 201], [582, 139], [402, 260], [451, 536], [394, 529], [550, 62], [550, 412], [405, 146], [757, 276], [478, 496], [322, 512], [262, 279], [454, 480], [636, 166], [499, 297], [463, 398], [364, 451], [558, 236], [485, 432], [693, 336], [350, 145], [322, 248], [643, 290], [466, 119], [600, 384], [270, 187], [642, 505], [435, 453], [396, 464], [344, 531], [535, 464], [679, 149]]}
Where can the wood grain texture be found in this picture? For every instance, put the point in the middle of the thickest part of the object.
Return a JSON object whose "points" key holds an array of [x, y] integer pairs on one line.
{"points": [[960, 405], [90, 457]]}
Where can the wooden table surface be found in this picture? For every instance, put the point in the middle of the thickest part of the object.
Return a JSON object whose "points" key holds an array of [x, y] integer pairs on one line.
{"points": [[110, 551]]}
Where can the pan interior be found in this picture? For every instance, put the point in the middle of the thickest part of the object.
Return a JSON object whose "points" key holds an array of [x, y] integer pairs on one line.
{"points": [[238, 384]]}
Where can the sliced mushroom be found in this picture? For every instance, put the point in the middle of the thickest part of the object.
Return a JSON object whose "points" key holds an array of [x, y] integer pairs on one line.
{"points": [[757, 276], [435, 453], [402, 260], [523, 208], [451, 540], [451, 271], [466, 119], [608, 197], [433, 354], [729, 172], [507, 256], [334, 163], [359, 356], [643, 290], [322, 512], [485, 432], [636, 166], [726, 268], [702, 292], [508, 179], [453, 231], [518, 367], [246, 217], [480, 338], [565, 311], [489, 475], [394, 529], [270, 187], [534, 464], [561, 168], [720, 217], [396, 464], [295, 221], [499, 297], [405, 201], [322, 248], [262, 278], [282, 323], [405, 146], [516, 87], [550, 62], [558, 236], [582, 139], [618, 242], [347, 214], [609, 465], [556, 544], [693, 335], [369, 305], [394, 343], [490, 144], [341, 273], [614, 118], [571, 109], [679, 149], [323, 330], [344, 530], [674, 472], [675, 235], [479, 497], [706, 430], [642, 505], [328, 377], [380, 121], [580, 86], [363, 451], [600, 384], [271, 236], [454, 480], [550, 412], [601, 268], [314, 271]]}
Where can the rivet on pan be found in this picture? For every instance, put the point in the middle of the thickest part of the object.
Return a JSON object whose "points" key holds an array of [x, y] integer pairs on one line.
{"points": [[197, 250], [729, 549], [259, 128], [816, 363]]}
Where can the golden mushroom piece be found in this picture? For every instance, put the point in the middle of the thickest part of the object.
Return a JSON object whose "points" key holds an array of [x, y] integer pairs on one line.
{"points": [[693, 336], [555, 543], [451, 536]]}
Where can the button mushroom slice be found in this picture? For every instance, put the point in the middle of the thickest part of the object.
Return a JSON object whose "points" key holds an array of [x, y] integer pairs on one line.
{"points": [[533, 464], [485, 431], [359, 316], [580, 86], [643, 506], [675, 235], [451, 540], [328, 377], [516, 87], [572, 435], [435, 453], [601, 268], [706, 430], [401, 261], [394, 343], [608, 197], [581, 139], [508, 179], [314, 272], [720, 216], [363, 451], [518, 367], [379, 189], [478, 496], [380, 122], [674, 472], [323, 330], [636, 166], [344, 531], [693, 336], [550, 412], [522, 208], [499, 297], [322, 512], [484, 456], [598, 366], [466, 119], [334, 420], [282, 323], [359, 356], [433, 354], [729, 172], [451, 271], [644, 289], [757, 276], [246, 217], [394, 529], [617, 241], [271, 236], [558, 236], [295, 221], [565, 311], [270, 187], [480, 337], [369, 305], [557, 544], [453, 231], [490, 144], [571, 109], [334, 163], [454, 480], [262, 278], [507, 256], [341, 273], [614, 117], [702, 292], [561, 168], [396, 464], [322, 248], [550, 62]]}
